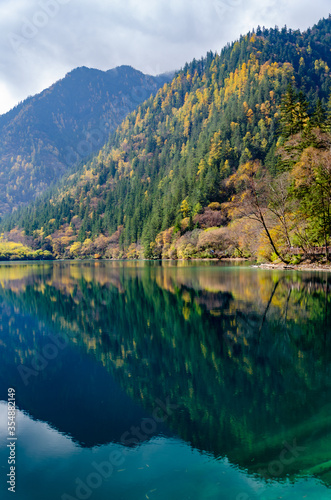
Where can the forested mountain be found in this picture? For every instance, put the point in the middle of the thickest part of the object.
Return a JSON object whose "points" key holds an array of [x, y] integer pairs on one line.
{"points": [[180, 160], [46, 134]]}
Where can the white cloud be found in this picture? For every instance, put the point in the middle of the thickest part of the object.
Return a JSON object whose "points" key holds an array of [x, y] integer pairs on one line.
{"points": [[41, 40]]}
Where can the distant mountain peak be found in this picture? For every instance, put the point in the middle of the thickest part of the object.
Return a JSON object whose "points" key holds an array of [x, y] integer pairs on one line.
{"points": [[45, 135]]}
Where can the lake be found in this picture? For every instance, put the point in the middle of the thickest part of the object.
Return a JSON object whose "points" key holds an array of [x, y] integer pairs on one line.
{"points": [[142, 380]]}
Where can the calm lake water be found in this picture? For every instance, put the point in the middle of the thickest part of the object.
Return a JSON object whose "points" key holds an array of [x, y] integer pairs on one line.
{"points": [[139, 381]]}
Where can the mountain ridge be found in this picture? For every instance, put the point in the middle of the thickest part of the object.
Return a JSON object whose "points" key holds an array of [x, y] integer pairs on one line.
{"points": [[170, 164], [45, 134]]}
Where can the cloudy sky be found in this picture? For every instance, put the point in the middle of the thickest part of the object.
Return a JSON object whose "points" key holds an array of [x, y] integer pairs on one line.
{"points": [[41, 40]]}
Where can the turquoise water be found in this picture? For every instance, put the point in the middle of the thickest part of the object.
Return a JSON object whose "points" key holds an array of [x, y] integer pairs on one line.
{"points": [[174, 381]]}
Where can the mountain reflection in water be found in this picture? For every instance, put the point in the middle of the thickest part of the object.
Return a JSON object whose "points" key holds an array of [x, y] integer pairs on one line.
{"points": [[243, 354]]}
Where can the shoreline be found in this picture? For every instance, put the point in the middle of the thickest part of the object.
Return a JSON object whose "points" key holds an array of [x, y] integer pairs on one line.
{"points": [[280, 266], [295, 267]]}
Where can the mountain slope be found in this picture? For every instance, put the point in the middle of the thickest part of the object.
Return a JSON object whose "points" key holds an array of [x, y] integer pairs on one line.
{"points": [[171, 158], [46, 134]]}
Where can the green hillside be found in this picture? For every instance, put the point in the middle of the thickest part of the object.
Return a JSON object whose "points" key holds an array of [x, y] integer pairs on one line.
{"points": [[180, 164]]}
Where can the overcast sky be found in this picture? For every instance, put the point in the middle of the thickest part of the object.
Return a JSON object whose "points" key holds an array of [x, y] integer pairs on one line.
{"points": [[41, 40]]}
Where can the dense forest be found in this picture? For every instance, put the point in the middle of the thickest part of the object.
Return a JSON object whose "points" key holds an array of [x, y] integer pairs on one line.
{"points": [[231, 158], [47, 134]]}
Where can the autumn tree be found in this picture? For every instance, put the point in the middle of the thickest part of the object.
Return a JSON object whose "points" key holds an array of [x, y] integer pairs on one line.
{"points": [[282, 205], [251, 199]]}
